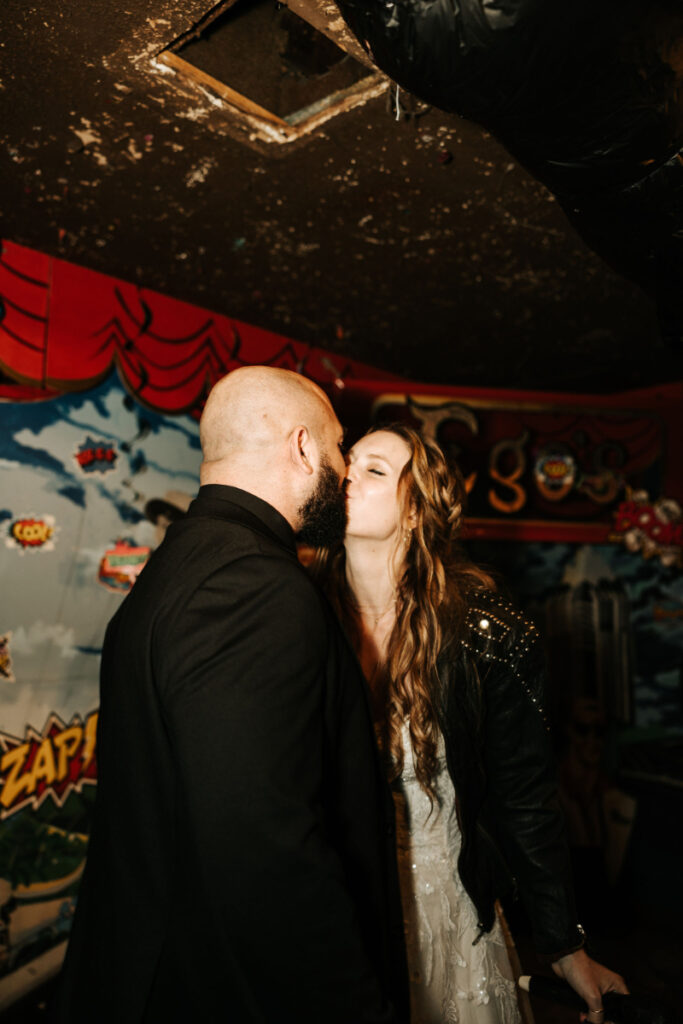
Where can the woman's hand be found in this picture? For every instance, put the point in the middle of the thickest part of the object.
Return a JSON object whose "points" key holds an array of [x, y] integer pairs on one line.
{"points": [[590, 980]]}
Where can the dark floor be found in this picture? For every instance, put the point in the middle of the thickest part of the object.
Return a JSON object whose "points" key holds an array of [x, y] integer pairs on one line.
{"points": [[647, 952]]}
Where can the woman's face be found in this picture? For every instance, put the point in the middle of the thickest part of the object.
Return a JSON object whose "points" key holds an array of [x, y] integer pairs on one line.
{"points": [[373, 505]]}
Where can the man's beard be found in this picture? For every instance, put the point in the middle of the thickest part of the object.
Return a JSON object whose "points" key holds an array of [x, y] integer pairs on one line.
{"points": [[323, 514]]}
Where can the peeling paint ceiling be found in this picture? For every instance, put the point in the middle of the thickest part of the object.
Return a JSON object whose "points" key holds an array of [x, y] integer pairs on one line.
{"points": [[417, 244]]}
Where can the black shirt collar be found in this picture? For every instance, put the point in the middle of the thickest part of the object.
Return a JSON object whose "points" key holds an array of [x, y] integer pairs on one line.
{"points": [[216, 500]]}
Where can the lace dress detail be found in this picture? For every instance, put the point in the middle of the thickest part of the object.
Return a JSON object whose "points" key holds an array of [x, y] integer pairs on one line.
{"points": [[452, 981]]}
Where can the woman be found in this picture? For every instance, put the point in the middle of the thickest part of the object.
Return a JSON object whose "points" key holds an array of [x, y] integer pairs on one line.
{"points": [[455, 679]]}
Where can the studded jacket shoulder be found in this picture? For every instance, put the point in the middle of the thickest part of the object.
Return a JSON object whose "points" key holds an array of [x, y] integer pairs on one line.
{"points": [[491, 713], [498, 633]]}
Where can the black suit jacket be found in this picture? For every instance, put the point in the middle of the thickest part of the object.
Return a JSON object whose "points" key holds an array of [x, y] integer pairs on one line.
{"points": [[241, 863]]}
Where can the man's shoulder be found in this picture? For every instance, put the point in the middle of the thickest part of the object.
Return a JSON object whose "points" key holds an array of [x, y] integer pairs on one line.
{"points": [[198, 551], [221, 540], [232, 567]]}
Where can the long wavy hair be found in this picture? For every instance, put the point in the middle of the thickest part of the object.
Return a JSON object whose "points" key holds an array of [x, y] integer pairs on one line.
{"points": [[435, 580]]}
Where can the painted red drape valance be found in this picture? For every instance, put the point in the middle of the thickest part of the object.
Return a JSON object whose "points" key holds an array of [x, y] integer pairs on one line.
{"points": [[63, 328], [542, 466]]}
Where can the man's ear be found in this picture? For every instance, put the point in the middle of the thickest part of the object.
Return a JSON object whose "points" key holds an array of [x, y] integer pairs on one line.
{"points": [[301, 449]]}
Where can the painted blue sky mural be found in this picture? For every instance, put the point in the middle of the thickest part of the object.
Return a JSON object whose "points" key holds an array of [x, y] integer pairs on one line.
{"points": [[81, 468]]}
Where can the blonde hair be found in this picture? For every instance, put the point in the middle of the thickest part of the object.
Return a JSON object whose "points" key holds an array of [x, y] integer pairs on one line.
{"points": [[434, 582]]}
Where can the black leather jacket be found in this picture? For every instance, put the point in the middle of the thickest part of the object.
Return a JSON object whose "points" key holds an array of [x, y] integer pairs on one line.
{"points": [[490, 711]]}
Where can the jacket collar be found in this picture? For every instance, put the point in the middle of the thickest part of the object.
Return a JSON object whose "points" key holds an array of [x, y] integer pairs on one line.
{"points": [[219, 501]]}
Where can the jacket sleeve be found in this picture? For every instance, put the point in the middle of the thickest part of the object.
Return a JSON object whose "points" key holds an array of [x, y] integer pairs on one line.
{"points": [[522, 802], [243, 699]]}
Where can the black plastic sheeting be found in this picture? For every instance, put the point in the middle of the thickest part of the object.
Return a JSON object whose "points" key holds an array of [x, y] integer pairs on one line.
{"points": [[587, 96]]}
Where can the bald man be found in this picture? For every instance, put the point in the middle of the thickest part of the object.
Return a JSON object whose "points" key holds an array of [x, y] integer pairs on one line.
{"points": [[241, 864]]}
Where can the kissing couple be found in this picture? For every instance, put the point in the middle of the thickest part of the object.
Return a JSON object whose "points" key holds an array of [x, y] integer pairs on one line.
{"points": [[315, 784]]}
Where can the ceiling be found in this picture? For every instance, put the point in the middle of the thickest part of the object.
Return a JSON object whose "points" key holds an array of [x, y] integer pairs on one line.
{"points": [[417, 244]]}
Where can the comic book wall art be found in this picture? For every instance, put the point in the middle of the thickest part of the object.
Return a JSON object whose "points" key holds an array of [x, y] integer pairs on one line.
{"points": [[96, 456], [86, 480], [31, 533], [6, 672], [51, 764], [121, 565]]}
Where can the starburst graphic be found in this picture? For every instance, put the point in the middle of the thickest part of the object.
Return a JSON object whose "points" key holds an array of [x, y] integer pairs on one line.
{"points": [[52, 763]]}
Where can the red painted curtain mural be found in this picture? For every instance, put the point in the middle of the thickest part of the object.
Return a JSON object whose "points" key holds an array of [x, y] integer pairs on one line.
{"points": [[63, 328]]}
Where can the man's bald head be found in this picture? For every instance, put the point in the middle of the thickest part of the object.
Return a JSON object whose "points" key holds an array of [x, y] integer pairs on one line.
{"points": [[255, 408], [275, 434]]}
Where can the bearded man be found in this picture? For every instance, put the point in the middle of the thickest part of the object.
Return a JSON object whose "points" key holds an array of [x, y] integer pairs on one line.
{"points": [[241, 864]]}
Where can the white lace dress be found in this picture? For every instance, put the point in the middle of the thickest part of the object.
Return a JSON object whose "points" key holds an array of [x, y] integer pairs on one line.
{"points": [[451, 980]]}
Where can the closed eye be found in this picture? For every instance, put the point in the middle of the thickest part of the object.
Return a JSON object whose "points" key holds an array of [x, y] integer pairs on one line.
{"points": [[377, 472]]}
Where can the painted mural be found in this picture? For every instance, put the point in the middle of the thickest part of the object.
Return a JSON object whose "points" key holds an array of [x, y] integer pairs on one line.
{"points": [[650, 662], [89, 482]]}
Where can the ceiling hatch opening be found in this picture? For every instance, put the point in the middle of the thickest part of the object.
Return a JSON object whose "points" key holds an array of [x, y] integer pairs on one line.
{"points": [[277, 71]]}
